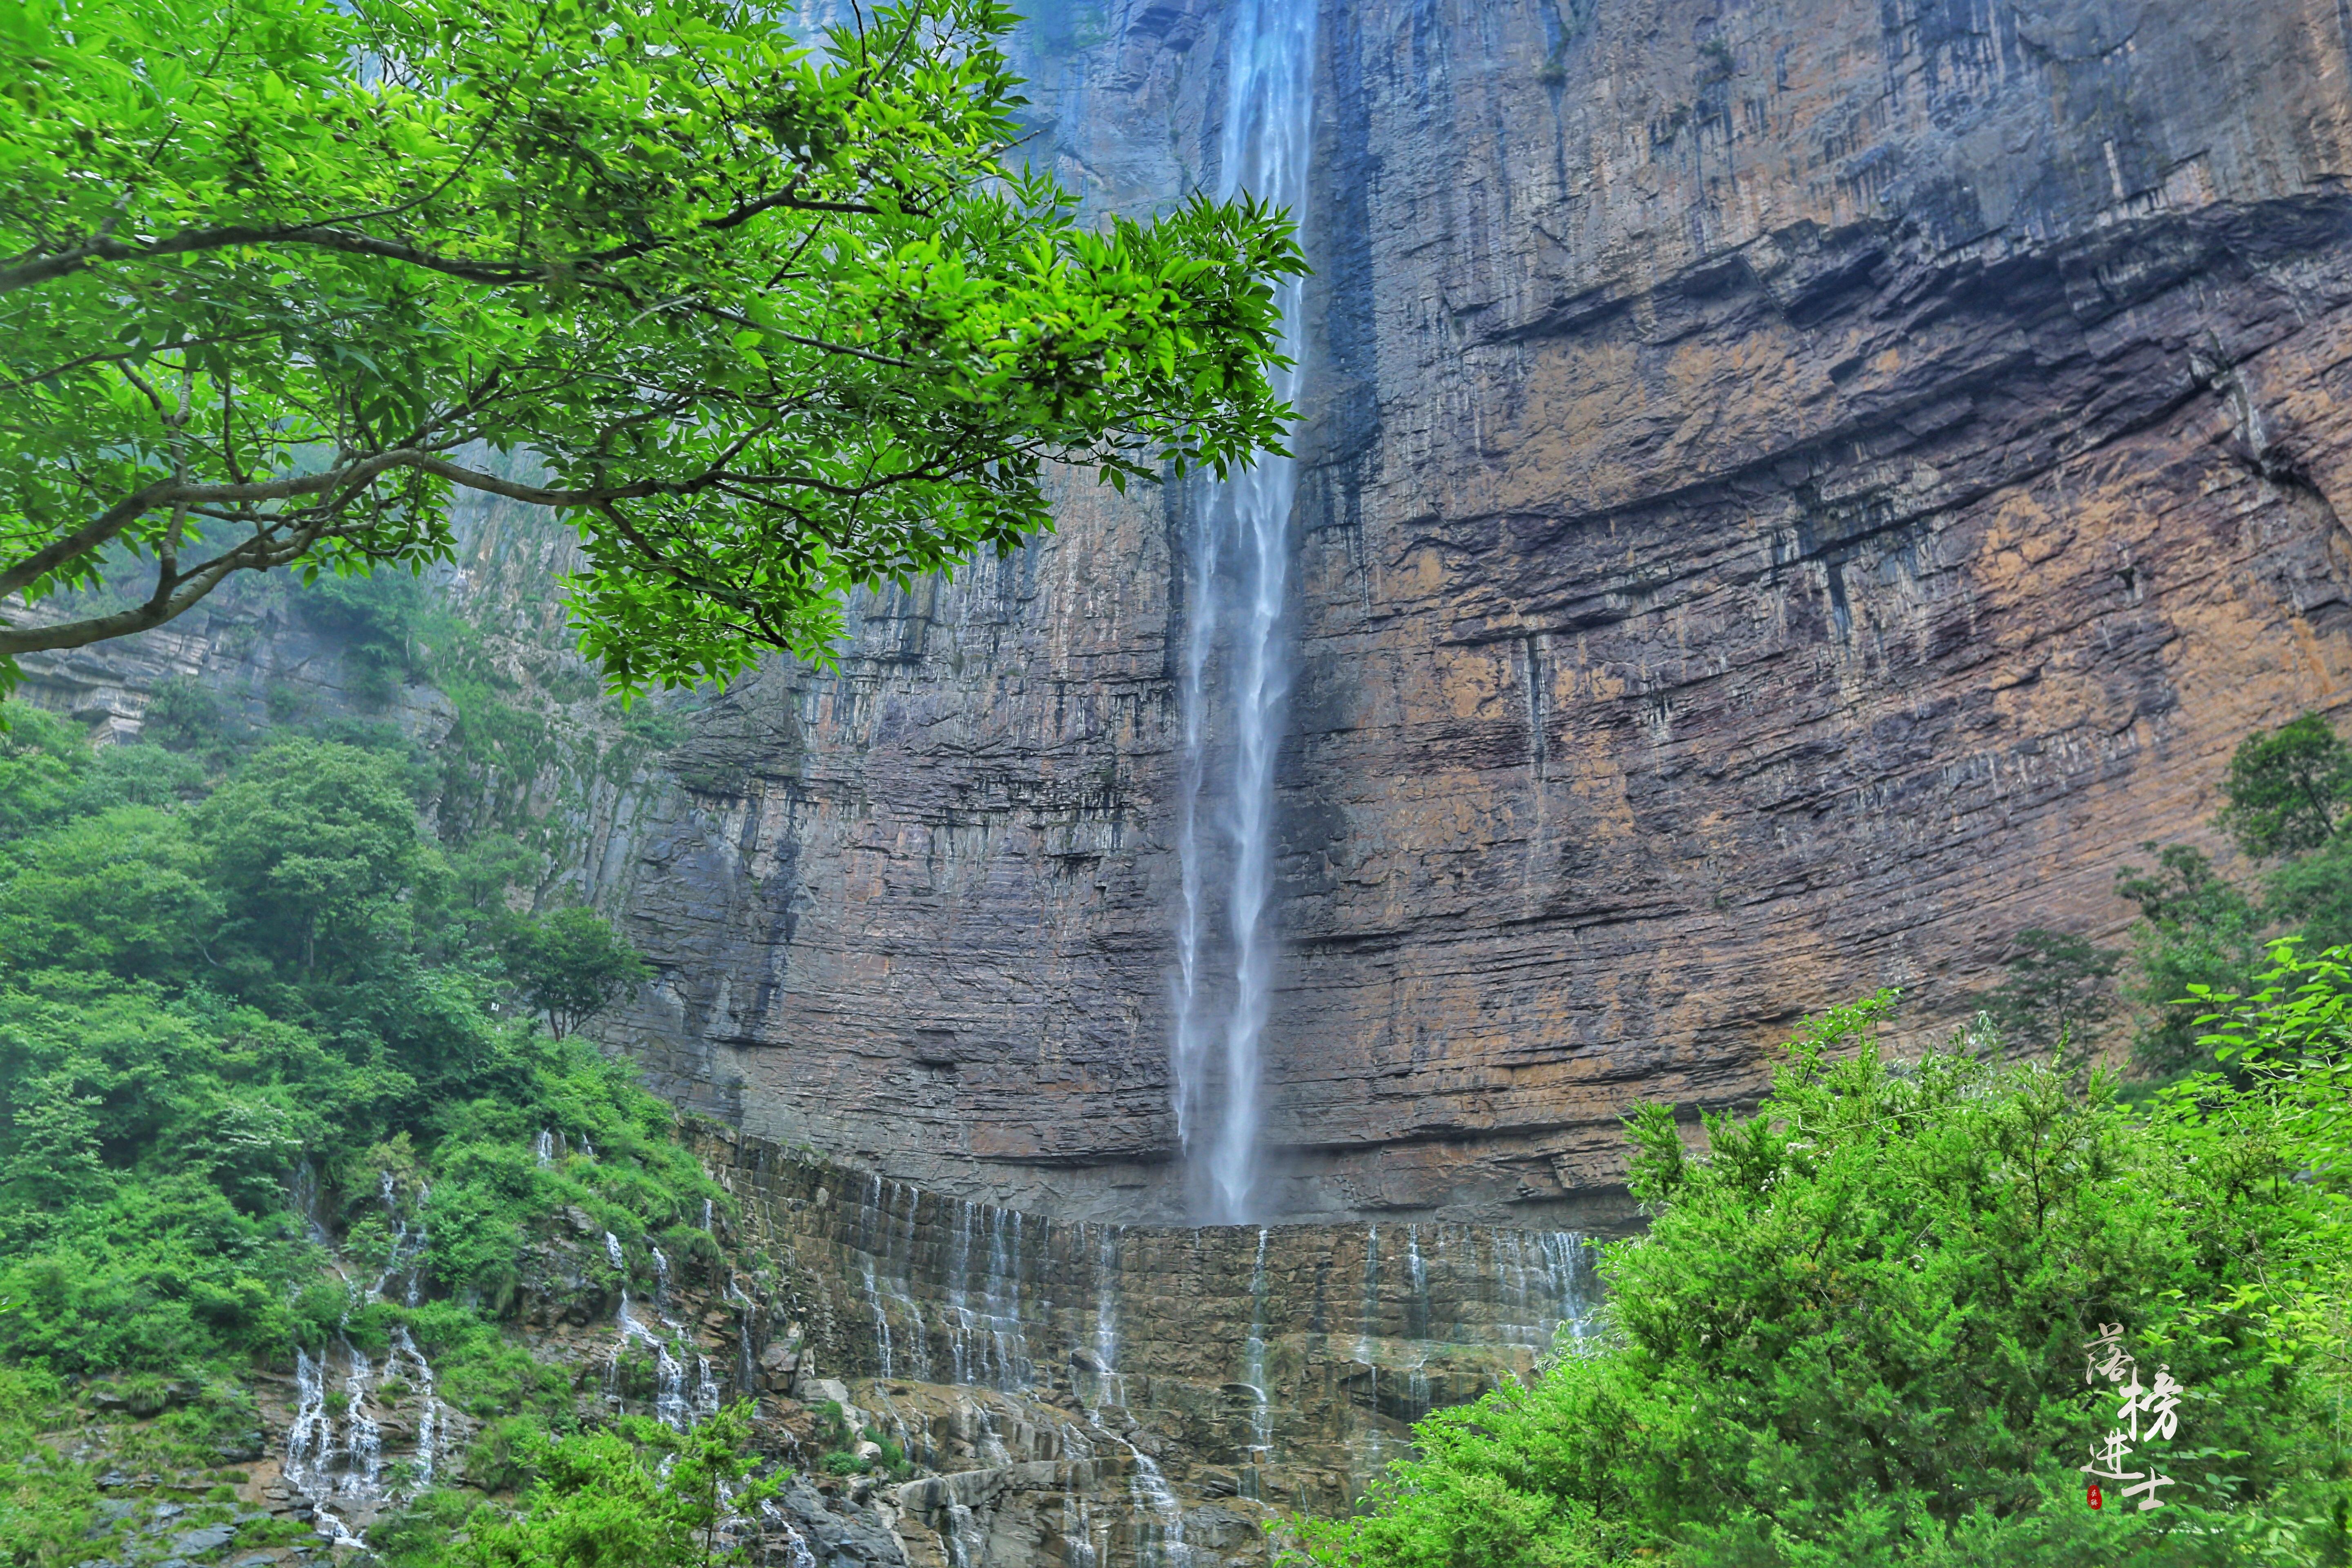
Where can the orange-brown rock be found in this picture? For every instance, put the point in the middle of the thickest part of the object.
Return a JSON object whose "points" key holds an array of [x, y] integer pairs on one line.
{"points": [[1797, 493]]}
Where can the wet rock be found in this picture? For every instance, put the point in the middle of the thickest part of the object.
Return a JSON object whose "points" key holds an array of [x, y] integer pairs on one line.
{"points": [[196, 1542]]}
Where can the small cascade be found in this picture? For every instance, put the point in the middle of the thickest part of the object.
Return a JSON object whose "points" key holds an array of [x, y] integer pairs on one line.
{"points": [[1416, 1325], [310, 1439], [407, 1258], [982, 1317], [303, 1192], [587, 1149], [1111, 1388], [966, 1543], [1254, 1370], [1078, 1533], [405, 1353], [345, 1472], [661, 1280], [797, 1547], [707, 1392], [670, 1408], [1160, 1542], [746, 1366], [710, 1219], [364, 1439], [542, 1147], [885, 1235]]}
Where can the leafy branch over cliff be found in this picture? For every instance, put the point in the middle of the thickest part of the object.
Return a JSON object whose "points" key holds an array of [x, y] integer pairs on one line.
{"points": [[778, 321]]}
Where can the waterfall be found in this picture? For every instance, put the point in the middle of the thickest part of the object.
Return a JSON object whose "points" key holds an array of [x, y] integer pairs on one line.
{"points": [[403, 1344], [1254, 1368], [352, 1473], [1244, 523]]}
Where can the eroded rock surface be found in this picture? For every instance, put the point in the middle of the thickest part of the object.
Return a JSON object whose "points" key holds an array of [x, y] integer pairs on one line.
{"points": [[1798, 493]]}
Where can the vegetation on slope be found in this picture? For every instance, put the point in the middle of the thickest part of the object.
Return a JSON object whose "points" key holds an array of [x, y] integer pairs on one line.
{"points": [[1855, 1333], [241, 960]]}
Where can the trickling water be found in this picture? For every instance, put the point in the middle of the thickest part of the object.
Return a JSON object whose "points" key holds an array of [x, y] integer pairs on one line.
{"points": [[365, 1442], [1247, 518], [613, 1251], [1253, 1366], [304, 1190], [544, 1147], [661, 1280], [428, 1419]]}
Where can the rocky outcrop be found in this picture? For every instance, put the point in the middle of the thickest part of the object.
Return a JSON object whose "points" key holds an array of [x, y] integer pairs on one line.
{"points": [[1107, 1394]]}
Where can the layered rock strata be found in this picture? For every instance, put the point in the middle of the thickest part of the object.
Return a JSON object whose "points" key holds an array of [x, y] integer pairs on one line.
{"points": [[1113, 1393], [1797, 494]]}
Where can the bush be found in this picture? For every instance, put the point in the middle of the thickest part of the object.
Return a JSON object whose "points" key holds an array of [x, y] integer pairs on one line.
{"points": [[1854, 1335]]}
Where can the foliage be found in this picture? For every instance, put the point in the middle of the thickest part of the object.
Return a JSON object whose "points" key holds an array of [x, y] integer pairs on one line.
{"points": [[41, 761], [197, 999], [1854, 1336], [2291, 1042], [2196, 929], [2058, 989], [572, 966], [2287, 789], [638, 1496], [766, 320], [314, 845]]}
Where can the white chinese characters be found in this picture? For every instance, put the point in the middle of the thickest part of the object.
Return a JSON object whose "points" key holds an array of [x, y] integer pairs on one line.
{"points": [[2146, 1411]]}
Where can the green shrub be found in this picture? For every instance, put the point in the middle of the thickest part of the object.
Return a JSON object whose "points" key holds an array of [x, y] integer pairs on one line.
{"points": [[1854, 1335]]}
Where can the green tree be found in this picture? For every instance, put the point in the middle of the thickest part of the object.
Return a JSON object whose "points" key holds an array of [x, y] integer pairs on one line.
{"points": [[42, 759], [603, 1500], [572, 965], [765, 321], [309, 843], [2196, 928], [121, 890], [2287, 789], [2059, 987], [1853, 1338]]}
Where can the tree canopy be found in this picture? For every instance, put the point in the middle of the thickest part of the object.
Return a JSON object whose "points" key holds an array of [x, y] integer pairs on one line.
{"points": [[768, 318]]}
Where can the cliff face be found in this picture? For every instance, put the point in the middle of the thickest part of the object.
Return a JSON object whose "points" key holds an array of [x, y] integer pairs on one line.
{"points": [[1119, 1394], [1795, 492]]}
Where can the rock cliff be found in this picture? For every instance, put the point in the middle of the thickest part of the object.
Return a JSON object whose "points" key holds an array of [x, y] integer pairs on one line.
{"points": [[1795, 493]]}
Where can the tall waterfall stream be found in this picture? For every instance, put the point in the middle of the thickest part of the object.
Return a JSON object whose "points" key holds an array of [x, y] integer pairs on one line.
{"points": [[1237, 636]]}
